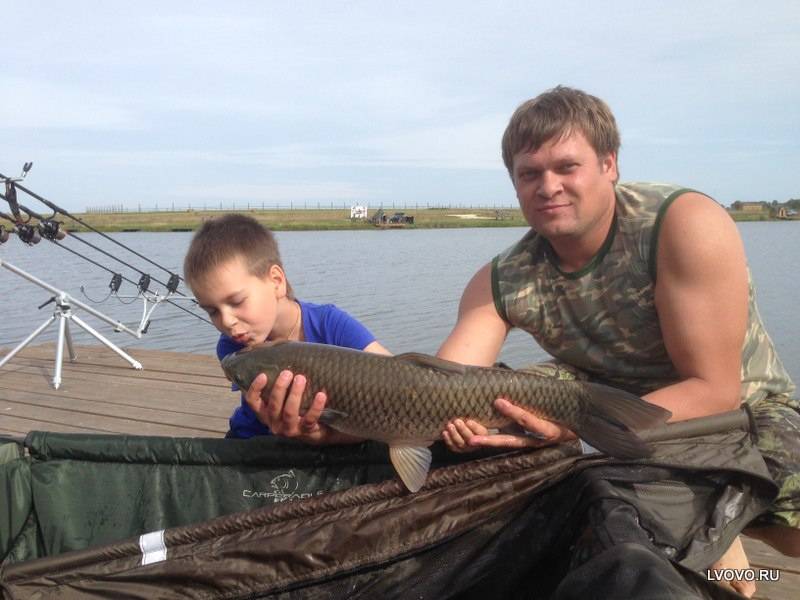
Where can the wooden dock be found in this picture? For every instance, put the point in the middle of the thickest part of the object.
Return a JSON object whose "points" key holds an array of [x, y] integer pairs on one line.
{"points": [[176, 394], [182, 395]]}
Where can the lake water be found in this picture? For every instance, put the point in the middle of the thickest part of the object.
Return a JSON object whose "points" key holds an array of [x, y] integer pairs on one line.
{"points": [[403, 284]]}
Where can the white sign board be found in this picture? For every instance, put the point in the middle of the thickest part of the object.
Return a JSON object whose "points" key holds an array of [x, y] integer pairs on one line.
{"points": [[358, 212]]}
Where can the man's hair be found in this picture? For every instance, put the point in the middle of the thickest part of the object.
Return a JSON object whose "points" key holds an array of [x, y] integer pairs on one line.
{"points": [[555, 114], [228, 237]]}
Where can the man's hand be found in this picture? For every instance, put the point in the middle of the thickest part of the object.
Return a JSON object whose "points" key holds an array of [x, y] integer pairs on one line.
{"points": [[463, 436], [280, 411]]}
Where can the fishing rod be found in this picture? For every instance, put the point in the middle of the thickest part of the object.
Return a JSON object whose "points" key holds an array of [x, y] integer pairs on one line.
{"points": [[49, 228], [27, 233], [14, 183], [33, 234], [24, 233], [22, 227], [50, 223]]}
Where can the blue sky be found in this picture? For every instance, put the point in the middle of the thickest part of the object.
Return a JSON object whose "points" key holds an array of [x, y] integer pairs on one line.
{"points": [[192, 103]]}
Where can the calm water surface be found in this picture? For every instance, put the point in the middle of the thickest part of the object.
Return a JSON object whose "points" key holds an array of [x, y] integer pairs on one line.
{"points": [[404, 284]]}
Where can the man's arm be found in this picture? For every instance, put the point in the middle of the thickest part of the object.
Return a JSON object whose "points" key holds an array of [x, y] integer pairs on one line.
{"points": [[702, 302], [476, 340], [479, 332], [701, 296]]}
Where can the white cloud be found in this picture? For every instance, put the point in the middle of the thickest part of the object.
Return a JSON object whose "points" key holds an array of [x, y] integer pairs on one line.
{"points": [[33, 104], [472, 145], [155, 95]]}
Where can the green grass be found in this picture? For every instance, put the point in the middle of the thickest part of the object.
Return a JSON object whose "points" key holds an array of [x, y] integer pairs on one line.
{"points": [[292, 220], [750, 216], [316, 219]]}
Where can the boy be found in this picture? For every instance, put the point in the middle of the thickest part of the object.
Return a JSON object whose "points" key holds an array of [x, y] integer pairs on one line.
{"points": [[234, 269]]}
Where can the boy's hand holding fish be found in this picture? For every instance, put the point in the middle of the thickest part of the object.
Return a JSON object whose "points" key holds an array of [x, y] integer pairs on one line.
{"points": [[467, 435], [280, 410]]}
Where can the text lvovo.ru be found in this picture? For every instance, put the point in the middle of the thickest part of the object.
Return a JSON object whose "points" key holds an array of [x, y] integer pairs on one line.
{"points": [[743, 574]]}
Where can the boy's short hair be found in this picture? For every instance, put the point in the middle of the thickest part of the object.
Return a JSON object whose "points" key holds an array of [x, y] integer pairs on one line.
{"points": [[228, 237], [556, 113]]}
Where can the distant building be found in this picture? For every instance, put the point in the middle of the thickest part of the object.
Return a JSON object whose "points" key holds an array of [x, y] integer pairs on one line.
{"points": [[750, 207], [358, 212]]}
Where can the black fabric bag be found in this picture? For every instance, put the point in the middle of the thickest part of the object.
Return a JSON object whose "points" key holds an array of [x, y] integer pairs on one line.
{"points": [[121, 516]]}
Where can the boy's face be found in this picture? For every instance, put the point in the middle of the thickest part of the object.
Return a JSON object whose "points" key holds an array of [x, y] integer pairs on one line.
{"points": [[240, 304]]}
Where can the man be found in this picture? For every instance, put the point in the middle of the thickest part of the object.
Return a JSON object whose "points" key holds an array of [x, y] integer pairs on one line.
{"points": [[642, 286]]}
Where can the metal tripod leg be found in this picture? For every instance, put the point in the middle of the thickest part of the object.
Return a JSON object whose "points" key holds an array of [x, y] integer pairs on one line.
{"points": [[88, 329], [27, 340], [64, 316], [63, 312], [62, 328]]}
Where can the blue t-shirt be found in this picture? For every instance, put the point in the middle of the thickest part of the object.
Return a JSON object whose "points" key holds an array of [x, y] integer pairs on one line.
{"points": [[322, 324]]}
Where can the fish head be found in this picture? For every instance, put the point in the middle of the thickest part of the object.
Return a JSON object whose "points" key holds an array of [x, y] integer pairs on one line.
{"points": [[244, 366]]}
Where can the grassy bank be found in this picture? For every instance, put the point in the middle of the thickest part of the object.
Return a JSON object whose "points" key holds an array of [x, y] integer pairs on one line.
{"points": [[295, 220], [750, 216], [318, 219]]}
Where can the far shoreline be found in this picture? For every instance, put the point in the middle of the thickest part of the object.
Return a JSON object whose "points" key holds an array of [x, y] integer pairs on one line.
{"points": [[303, 219], [300, 219]]}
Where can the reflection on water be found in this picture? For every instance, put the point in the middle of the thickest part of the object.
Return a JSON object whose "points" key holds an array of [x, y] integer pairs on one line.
{"points": [[403, 284]]}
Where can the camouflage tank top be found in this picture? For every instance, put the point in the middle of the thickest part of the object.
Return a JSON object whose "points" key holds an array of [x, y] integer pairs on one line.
{"points": [[602, 319]]}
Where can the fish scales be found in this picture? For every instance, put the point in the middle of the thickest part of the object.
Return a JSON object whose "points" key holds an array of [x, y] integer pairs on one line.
{"points": [[390, 397], [407, 400], [410, 402]]}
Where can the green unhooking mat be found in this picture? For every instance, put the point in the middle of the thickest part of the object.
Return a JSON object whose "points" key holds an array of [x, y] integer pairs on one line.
{"points": [[87, 516]]}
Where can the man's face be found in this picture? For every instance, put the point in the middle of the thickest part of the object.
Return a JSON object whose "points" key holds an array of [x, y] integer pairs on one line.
{"points": [[564, 189], [240, 304]]}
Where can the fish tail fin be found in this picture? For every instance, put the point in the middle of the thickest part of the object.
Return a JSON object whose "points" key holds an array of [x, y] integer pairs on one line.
{"points": [[612, 417]]}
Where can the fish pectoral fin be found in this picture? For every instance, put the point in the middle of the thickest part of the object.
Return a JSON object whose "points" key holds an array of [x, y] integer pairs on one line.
{"points": [[329, 416], [412, 464], [427, 361]]}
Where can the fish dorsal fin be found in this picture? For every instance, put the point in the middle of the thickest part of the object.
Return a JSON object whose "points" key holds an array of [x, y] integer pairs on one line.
{"points": [[412, 464], [427, 361]]}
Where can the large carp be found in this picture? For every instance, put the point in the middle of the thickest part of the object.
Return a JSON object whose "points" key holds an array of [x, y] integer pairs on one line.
{"points": [[406, 400]]}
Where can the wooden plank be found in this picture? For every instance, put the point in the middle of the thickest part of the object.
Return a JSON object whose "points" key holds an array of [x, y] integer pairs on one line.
{"points": [[186, 395], [143, 423], [157, 363], [20, 427], [152, 360], [786, 588], [112, 396], [87, 384], [28, 404], [85, 369], [762, 556]]}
